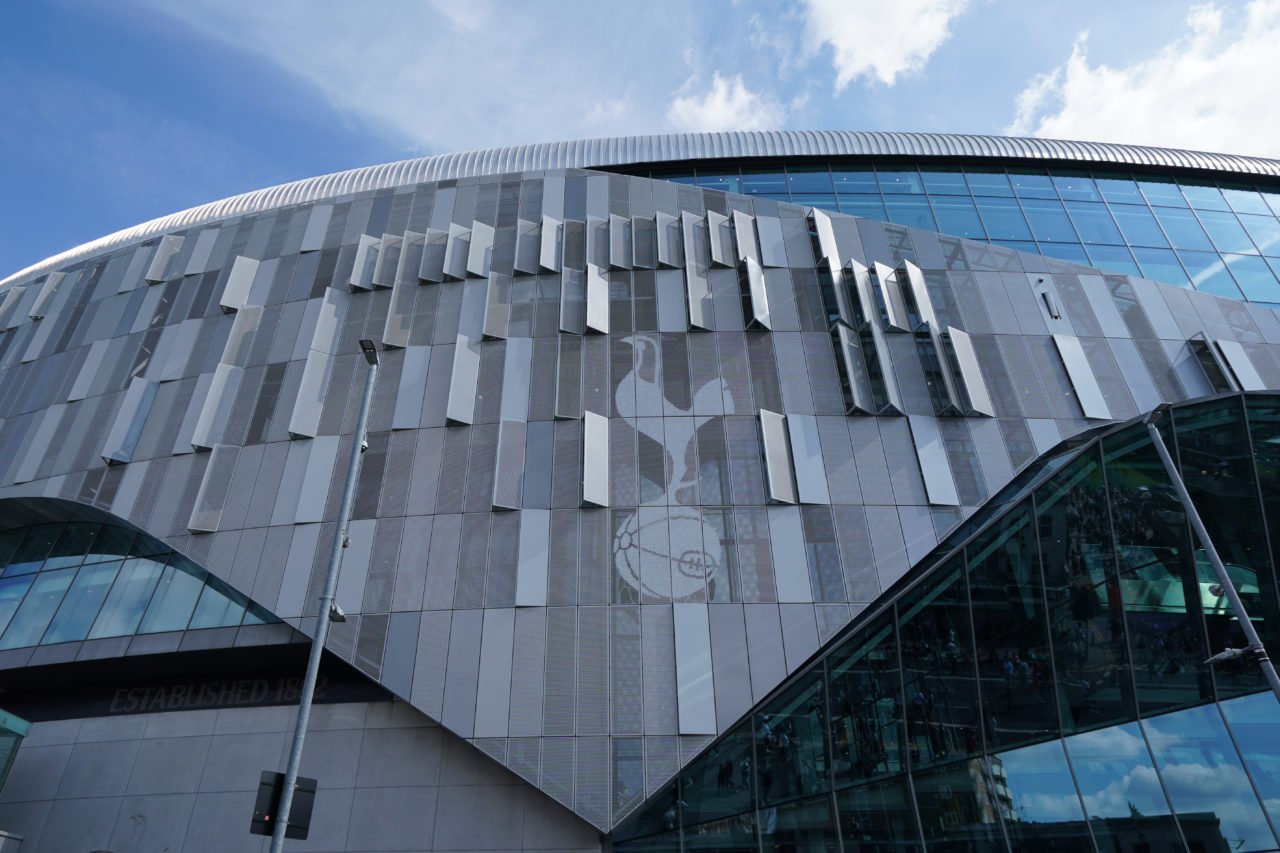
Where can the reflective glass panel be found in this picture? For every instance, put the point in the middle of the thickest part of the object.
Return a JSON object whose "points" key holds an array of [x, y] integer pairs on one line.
{"points": [[12, 591], [988, 183], [1028, 183], [719, 782], [1121, 792], [71, 546], [729, 835], [723, 183], [912, 211], [1254, 277], [959, 808], [1183, 229], [878, 817], [825, 202], [1003, 219], [36, 545], [174, 600], [1010, 632], [128, 599], [1089, 652], [9, 542], [1204, 778], [216, 610], [944, 182], [809, 179], [1075, 186], [799, 826], [1048, 220], [896, 180], [1209, 273], [1094, 223], [866, 706], [1072, 252], [1138, 225], [1264, 231], [1245, 200], [1161, 192], [866, 206], [32, 618], [83, 601], [1042, 805], [772, 181], [1273, 201], [791, 743], [1119, 190], [1254, 721], [957, 215], [1203, 197], [1264, 430], [1226, 232], [1112, 259], [846, 181], [112, 543], [1161, 265]]}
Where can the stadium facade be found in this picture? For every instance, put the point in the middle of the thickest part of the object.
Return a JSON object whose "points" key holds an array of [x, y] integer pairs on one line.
{"points": [[760, 491]]}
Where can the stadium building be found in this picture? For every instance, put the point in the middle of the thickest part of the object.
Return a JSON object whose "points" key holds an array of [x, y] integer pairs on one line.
{"points": [[722, 492]]}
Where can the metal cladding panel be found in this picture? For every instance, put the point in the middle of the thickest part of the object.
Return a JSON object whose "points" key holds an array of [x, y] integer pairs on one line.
{"points": [[779, 473], [695, 691], [932, 456], [595, 460], [126, 429], [1241, 365], [1083, 379]]}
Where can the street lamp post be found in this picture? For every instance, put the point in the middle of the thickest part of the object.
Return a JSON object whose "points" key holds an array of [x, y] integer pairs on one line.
{"points": [[328, 607], [1254, 648]]}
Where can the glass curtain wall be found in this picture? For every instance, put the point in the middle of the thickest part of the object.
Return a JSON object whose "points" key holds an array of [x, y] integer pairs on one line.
{"points": [[1040, 686]]}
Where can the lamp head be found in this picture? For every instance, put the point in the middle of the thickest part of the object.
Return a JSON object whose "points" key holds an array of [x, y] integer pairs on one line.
{"points": [[370, 351]]}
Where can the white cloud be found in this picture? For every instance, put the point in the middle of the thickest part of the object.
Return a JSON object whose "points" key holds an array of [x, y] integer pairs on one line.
{"points": [[1211, 89], [727, 105], [879, 40]]}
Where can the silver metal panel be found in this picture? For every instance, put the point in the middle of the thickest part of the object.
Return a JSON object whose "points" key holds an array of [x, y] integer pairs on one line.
{"points": [[697, 249], [169, 245], [966, 362], [698, 297], [239, 282], [806, 454], [773, 250], [211, 499], [919, 293], [595, 459], [644, 242], [799, 633], [573, 301], [939, 484], [854, 380], [45, 297], [40, 438], [182, 442], [721, 238], [304, 419], [366, 262], [480, 251], [551, 248], [493, 690], [399, 322], [517, 371], [895, 310], [126, 429], [597, 300], [317, 225], [34, 348], [889, 379], [668, 228], [457, 252], [752, 275], [777, 457], [531, 570], [597, 237], [410, 262], [528, 247], [621, 254], [217, 407], [319, 476], [435, 243], [790, 564], [1083, 380], [858, 280], [9, 317], [198, 262], [390, 250], [412, 388], [695, 688], [132, 277], [466, 354], [1241, 365], [828, 249], [744, 233], [672, 297]]}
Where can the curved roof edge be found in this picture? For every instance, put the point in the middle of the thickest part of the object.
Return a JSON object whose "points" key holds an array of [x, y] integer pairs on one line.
{"points": [[617, 151]]}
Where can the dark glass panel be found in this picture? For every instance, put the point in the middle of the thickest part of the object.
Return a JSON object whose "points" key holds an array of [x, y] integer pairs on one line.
{"points": [[958, 216], [729, 183], [1210, 792], [1094, 223], [1264, 429], [866, 206], [34, 548], [878, 818], [1120, 190], [771, 181], [1161, 192], [1011, 632], [128, 599], [735, 834], [1161, 265], [1217, 466], [959, 807], [855, 181], [1254, 277], [145, 546], [9, 542], [81, 605], [1209, 273], [897, 180], [1254, 721], [1112, 259], [912, 211], [944, 182], [1075, 186], [719, 782], [1048, 220], [806, 826], [1122, 795], [666, 842], [1203, 197], [939, 680], [1183, 229], [1032, 183], [1138, 225], [174, 600], [11, 592], [658, 818], [791, 743], [1245, 199], [1072, 252], [1226, 232], [216, 609], [112, 544], [1003, 219], [71, 546], [32, 618], [1158, 584], [866, 706], [1085, 619], [1264, 231], [1041, 810], [988, 183], [809, 179]]}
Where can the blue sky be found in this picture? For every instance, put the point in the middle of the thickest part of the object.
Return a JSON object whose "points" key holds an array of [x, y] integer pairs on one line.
{"points": [[113, 112]]}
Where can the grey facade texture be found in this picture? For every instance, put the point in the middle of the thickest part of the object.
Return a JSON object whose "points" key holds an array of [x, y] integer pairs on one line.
{"points": [[638, 450]]}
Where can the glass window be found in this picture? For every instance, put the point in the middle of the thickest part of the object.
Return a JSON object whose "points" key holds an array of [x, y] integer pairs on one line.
{"points": [[720, 782], [216, 610], [11, 592], [771, 181], [724, 183], [1112, 259], [112, 544], [958, 216], [9, 542], [1203, 776], [1254, 721], [1032, 183], [1161, 192], [128, 599], [1264, 429], [1138, 225], [1119, 190], [1254, 277], [730, 835], [1161, 265], [1090, 657], [939, 681], [1245, 200], [1072, 252], [959, 807], [174, 599], [1209, 273], [1265, 232], [1120, 790], [1225, 231], [35, 546], [866, 706], [809, 179], [945, 182], [878, 816], [858, 181], [80, 607], [988, 183], [675, 177], [866, 206], [1094, 223], [37, 609], [897, 180], [910, 210], [1273, 201], [1076, 186], [807, 826], [1011, 632], [1203, 197], [1183, 229], [1043, 810], [71, 546], [1049, 222], [1003, 219], [1019, 245], [824, 202]]}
